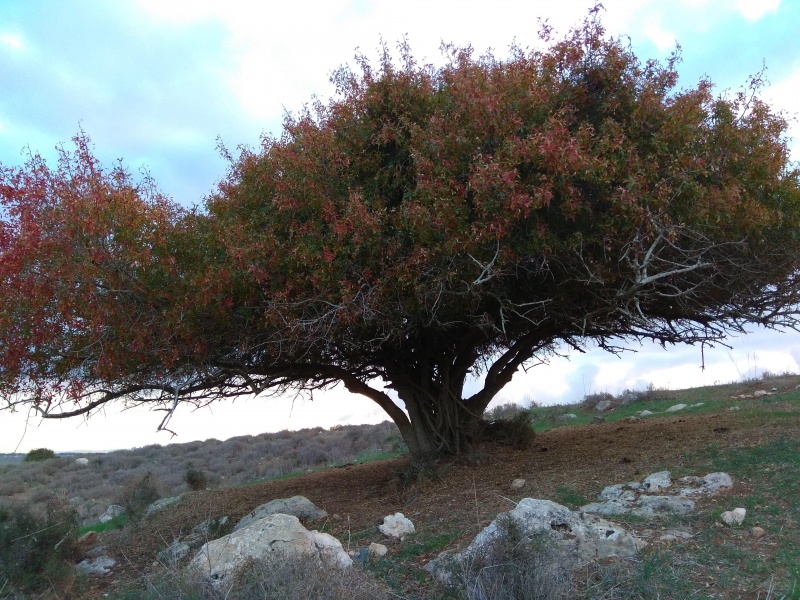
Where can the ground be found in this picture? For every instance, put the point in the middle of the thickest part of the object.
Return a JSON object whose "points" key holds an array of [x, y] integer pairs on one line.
{"points": [[568, 464]]}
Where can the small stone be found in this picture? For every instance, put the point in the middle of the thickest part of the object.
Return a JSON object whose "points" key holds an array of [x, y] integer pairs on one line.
{"points": [[88, 538], [758, 532], [517, 484], [697, 405], [760, 393], [733, 408], [734, 517], [676, 407], [632, 419], [376, 549]]}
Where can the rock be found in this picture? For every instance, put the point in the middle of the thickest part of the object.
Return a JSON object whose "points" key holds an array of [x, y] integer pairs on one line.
{"points": [[174, 553], [645, 413], [676, 408], [517, 484], [714, 482], [654, 506], [733, 408], [596, 420], [773, 390], [112, 511], [161, 505], [579, 538], [397, 525], [760, 393], [88, 539], [632, 419], [734, 517], [657, 481], [275, 536], [603, 406], [84, 462], [609, 509], [757, 532], [96, 566], [620, 491], [297, 506], [377, 549], [675, 534], [211, 526], [697, 405], [566, 417], [360, 556]]}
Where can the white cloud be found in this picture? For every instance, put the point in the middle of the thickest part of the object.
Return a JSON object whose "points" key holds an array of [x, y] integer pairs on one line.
{"points": [[12, 40], [753, 10]]}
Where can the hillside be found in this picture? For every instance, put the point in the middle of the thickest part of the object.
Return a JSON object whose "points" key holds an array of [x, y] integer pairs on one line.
{"points": [[756, 440]]}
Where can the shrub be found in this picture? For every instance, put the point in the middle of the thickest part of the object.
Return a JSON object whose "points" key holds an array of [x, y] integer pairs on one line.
{"points": [[34, 549], [287, 579], [141, 493], [195, 479], [39, 454]]}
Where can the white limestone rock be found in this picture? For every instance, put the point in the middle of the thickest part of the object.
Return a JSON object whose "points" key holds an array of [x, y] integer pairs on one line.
{"points": [[676, 408], [734, 517], [397, 526], [277, 536], [577, 536], [298, 506]]}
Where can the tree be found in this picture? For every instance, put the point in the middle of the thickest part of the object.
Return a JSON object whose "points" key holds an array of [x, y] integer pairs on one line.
{"points": [[425, 225]]}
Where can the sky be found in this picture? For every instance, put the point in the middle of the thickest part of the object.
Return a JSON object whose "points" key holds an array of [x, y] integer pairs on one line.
{"points": [[160, 83]]}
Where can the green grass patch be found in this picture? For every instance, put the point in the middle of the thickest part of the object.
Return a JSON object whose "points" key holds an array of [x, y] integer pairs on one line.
{"points": [[117, 522]]}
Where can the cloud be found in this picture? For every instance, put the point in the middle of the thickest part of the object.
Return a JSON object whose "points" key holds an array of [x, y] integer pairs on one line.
{"points": [[753, 10]]}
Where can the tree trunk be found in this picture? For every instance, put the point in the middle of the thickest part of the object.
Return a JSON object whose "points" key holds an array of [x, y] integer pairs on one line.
{"points": [[439, 425]]}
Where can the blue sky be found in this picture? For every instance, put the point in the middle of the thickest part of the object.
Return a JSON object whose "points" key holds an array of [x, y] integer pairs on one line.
{"points": [[157, 82]]}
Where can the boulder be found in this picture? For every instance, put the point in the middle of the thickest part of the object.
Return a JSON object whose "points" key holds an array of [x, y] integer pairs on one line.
{"points": [[645, 413], [84, 462], [566, 417], [676, 408], [297, 506], [760, 393], [397, 526], [657, 481], [578, 538], [652, 506], [161, 504], [275, 536], [112, 511], [604, 405], [96, 566], [174, 553]]}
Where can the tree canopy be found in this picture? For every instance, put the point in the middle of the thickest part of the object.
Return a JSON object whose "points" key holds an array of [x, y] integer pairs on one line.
{"points": [[423, 226]]}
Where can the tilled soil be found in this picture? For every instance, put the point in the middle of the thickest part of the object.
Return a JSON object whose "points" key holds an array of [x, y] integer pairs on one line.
{"points": [[466, 494]]}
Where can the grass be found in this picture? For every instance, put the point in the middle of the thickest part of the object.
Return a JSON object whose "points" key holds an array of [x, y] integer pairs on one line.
{"points": [[117, 522]]}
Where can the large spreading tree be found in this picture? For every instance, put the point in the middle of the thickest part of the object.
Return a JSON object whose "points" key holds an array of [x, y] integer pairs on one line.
{"points": [[425, 226]]}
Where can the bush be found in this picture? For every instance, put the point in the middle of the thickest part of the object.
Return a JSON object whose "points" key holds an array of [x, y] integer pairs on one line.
{"points": [[141, 493], [34, 549], [195, 479], [39, 454], [592, 400], [286, 579]]}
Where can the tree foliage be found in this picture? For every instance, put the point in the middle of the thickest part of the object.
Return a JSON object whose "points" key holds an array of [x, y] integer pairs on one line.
{"points": [[423, 226]]}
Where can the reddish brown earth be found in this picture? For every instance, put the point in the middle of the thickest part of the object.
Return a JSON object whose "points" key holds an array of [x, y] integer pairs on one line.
{"points": [[465, 495]]}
